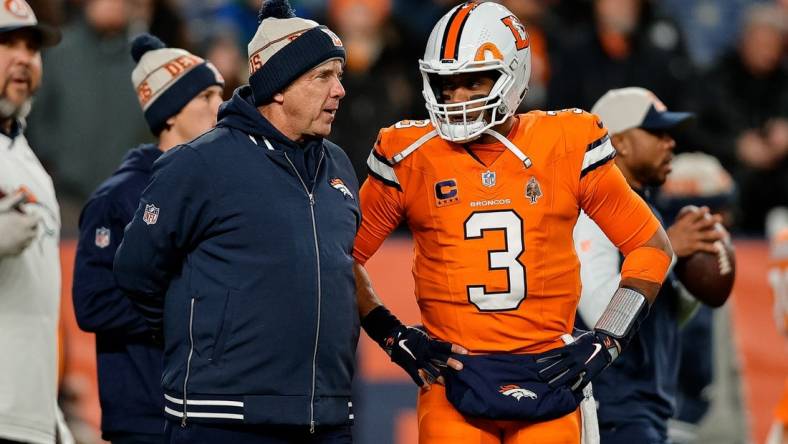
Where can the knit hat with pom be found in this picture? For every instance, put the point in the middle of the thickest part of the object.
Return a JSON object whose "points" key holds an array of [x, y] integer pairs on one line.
{"points": [[286, 46], [166, 79]]}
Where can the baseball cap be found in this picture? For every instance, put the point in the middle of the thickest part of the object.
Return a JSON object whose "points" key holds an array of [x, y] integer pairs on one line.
{"points": [[17, 14], [634, 107]]}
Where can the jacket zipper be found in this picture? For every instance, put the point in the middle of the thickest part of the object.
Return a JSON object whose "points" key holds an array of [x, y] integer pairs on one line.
{"points": [[188, 360], [311, 195]]}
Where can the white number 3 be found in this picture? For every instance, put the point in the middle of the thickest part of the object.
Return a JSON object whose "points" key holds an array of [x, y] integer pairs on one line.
{"points": [[506, 259]]}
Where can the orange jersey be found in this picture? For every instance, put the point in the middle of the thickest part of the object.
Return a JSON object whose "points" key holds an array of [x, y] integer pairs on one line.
{"points": [[494, 265]]}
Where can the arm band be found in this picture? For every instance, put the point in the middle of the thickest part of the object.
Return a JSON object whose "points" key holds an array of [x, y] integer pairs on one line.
{"points": [[623, 315], [646, 263], [379, 323]]}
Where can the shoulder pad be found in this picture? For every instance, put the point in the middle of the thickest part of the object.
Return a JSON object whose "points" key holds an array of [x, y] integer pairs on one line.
{"points": [[393, 145], [403, 138]]}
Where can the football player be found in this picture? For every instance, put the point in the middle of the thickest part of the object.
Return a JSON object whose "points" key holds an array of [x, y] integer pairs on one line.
{"points": [[491, 199]]}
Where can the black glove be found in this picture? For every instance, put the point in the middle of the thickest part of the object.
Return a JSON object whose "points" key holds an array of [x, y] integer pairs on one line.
{"points": [[409, 347], [576, 364]]}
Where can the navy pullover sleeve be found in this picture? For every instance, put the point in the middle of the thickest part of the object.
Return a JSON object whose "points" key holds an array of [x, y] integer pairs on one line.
{"points": [[171, 218], [98, 303]]}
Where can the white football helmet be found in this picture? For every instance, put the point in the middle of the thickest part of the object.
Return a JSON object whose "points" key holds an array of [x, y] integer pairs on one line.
{"points": [[475, 37]]}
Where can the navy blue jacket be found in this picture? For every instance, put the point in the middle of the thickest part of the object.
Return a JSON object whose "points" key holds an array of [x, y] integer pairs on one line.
{"points": [[640, 386], [242, 246], [129, 364]]}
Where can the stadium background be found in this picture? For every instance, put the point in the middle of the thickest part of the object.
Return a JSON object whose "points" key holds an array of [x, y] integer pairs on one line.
{"points": [[697, 55]]}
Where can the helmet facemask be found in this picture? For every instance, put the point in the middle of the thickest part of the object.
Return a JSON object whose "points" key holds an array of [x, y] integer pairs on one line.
{"points": [[465, 121]]}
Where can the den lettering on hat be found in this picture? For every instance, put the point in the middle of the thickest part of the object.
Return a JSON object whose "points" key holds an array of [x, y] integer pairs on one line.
{"points": [[166, 79], [286, 46], [634, 107], [17, 14]]}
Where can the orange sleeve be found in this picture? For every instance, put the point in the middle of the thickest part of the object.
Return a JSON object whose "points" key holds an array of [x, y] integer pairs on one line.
{"points": [[381, 212], [621, 214]]}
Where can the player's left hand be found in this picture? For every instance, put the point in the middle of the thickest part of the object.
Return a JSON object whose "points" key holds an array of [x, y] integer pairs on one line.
{"points": [[576, 364]]}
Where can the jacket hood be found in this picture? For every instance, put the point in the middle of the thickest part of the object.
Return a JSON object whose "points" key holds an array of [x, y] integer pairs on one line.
{"points": [[140, 158], [240, 113]]}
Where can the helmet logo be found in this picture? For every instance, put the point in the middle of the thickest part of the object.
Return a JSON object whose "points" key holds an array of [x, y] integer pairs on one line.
{"points": [[487, 47], [518, 31]]}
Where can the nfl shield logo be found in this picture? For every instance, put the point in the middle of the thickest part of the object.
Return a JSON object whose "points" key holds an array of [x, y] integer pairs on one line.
{"points": [[151, 214], [488, 178], [102, 237]]}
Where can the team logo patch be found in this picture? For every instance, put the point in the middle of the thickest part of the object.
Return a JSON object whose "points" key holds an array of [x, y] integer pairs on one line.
{"points": [[102, 237], [339, 185], [533, 191], [446, 193], [151, 214], [334, 38], [488, 178], [516, 392]]}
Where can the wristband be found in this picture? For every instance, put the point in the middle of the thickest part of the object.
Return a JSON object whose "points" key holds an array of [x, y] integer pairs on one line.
{"points": [[623, 314], [379, 323]]}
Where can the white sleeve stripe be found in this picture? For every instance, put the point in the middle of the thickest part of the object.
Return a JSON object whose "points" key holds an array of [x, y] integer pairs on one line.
{"points": [[381, 169], [596, 154]]}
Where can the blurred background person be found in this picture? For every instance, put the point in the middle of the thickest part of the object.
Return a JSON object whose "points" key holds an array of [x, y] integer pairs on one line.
{"points": [[743, 111], [161, 18], [221, 49], [637, 394], [87, 100], [179, 105], [30, 246], [240, 16], [624, 44], [380, 87], [696, 179]]}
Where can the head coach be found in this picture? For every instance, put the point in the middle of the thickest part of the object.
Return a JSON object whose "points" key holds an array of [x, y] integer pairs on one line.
{"points": [[240, 251]]}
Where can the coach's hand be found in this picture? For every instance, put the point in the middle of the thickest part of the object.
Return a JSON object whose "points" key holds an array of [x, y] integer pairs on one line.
{"points": [[576, 364], [421, 356]]}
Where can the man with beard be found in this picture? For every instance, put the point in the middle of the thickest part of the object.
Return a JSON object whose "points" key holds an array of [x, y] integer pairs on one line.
{"points": [[29, 237], [637, 393]]}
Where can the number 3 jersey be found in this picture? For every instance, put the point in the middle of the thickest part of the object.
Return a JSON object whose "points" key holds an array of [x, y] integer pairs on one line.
{"points": [[494, 261]]}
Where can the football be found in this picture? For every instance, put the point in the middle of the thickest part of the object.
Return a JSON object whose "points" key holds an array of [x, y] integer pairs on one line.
{"points": [[709, 277]]}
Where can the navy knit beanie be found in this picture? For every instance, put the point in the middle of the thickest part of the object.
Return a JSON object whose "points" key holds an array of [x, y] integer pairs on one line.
{"points": [[166, 79], [286, 46]]}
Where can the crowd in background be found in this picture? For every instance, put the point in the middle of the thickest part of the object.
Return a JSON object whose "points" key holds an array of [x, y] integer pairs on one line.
{"points": [[724, 59]]}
